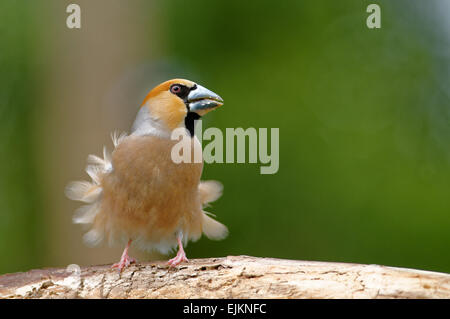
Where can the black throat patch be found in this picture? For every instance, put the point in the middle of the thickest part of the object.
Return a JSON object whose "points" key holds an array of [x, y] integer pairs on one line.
{"points": [[189, 120]]}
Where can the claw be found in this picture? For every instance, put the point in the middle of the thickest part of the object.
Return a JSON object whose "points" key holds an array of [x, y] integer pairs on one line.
{"points": [[178, 259], [125, 260], [181, 255]]}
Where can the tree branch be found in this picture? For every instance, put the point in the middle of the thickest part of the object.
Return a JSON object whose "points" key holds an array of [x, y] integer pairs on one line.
{"points": [[230, 277]]}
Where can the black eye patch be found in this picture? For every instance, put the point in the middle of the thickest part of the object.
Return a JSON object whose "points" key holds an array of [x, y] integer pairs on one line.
{"points": [[180, 90]]}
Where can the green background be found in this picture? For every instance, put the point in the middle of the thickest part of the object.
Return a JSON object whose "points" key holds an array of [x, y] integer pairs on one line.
{"points": [[364, 119]]}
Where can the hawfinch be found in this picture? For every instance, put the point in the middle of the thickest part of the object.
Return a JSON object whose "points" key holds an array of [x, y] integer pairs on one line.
{"points": [[138, 194]]}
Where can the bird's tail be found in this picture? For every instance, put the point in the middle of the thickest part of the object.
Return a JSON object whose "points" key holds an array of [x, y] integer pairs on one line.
{"points": [[209, 192]]}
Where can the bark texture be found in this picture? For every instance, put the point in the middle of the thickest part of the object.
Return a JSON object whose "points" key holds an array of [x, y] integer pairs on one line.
{"points": [[229, 277]]}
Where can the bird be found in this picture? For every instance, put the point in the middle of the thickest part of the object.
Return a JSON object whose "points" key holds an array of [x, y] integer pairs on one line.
{"points": [[138, 195]]}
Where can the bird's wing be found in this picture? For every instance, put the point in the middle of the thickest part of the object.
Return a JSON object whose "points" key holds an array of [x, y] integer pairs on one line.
{"points": [[209, 191], [90, 192]]}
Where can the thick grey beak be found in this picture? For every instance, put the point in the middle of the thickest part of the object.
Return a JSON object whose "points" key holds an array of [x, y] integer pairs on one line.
{"points": [[201, 100]]}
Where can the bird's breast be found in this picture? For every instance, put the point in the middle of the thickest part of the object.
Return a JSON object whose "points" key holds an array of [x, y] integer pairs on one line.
{"points": [[147, 190]]}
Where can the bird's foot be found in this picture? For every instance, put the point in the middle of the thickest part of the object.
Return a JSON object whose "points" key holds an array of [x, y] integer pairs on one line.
{"points": [[124, 262], [178, 259]]}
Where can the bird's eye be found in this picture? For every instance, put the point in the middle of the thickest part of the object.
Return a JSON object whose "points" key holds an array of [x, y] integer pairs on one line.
{"points": [[175, 89]]}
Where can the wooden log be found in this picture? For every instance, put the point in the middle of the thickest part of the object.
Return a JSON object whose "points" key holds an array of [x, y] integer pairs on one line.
{"points": [[229, 277]]}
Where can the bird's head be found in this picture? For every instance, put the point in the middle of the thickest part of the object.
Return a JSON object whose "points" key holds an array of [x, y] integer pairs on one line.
{"points": [[176, 103]]}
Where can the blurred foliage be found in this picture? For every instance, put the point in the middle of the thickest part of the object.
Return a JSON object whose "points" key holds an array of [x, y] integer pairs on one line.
{"points": [[364, 128], [20, 241]]}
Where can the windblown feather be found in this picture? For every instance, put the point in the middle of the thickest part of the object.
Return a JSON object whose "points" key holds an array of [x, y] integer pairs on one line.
{"points": [[213, 229], [83, 191]]}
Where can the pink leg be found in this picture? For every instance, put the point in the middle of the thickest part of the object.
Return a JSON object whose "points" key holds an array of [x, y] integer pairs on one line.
{"points": [[125, 260], [181, 255]]}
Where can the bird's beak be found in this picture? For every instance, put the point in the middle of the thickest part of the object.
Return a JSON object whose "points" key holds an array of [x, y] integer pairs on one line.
{"points": [[201, 100]]}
